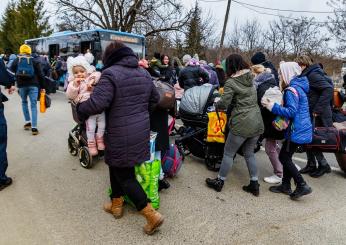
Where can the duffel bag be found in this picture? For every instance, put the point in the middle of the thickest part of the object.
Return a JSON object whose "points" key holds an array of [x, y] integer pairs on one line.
{"points": [[325, 139]]}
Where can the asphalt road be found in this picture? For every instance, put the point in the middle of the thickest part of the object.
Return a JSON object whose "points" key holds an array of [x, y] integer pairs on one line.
{"points": [[55, 201]]}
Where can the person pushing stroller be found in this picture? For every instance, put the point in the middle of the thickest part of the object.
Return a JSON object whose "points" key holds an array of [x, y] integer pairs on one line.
{"points": [[84, 78]]}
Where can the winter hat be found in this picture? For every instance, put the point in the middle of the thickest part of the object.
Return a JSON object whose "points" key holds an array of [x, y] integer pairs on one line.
{"points": [[193, 62], [78, 61], [258, 58], [186, 59], [25, 49], [203, 62], [89, 57], [289, 70]]}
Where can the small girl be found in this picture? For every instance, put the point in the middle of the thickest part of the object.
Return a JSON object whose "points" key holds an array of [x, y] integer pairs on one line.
{"points": [[83, 79]]}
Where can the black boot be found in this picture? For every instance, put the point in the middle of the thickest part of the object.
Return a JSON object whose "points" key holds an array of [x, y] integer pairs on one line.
{"points": [[215, 184], [253, 188], [284, 188], [321, 170], [309, 168], [301, 190], [163, 184]]}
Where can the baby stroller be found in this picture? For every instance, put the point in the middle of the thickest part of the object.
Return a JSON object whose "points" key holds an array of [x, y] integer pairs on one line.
{"points": [[192, 136], [78, 143], [193, 113]]}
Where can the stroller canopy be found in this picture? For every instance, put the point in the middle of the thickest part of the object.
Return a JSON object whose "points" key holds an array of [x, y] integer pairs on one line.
{"points": [[195, 99]]}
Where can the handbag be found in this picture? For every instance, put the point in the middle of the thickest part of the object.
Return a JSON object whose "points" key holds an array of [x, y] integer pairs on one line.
{"points": [[167, 94], [324, 139], [216, 126]]}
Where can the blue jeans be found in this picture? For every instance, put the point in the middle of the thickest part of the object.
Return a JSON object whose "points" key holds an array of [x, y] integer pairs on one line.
{"points": [[3, 146], [32, 92]]}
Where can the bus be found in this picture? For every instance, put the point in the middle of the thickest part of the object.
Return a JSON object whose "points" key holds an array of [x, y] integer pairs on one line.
{"points": [[69, 43]]}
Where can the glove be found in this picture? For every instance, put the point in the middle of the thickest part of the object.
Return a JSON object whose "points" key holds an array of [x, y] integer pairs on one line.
{"points": [[267, 103]]}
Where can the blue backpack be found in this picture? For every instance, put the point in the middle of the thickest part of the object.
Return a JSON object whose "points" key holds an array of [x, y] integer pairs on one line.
{"points": [[172, 161], [25, 67]]}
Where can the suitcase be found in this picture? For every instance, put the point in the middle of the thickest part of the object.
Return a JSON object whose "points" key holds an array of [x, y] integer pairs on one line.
{"points": [[51, 85], [325, 139]]}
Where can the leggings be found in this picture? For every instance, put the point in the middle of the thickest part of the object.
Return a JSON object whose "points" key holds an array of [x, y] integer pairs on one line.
{"points": [[232, 145], [272, 149], [124, 182], [290, 169]]}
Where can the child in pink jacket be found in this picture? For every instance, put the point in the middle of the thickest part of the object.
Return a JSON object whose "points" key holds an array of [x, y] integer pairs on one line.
{"points": [[83, 79]]}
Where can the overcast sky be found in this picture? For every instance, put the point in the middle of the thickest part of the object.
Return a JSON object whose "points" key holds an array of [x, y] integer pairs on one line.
{"points": [[241, 13]]}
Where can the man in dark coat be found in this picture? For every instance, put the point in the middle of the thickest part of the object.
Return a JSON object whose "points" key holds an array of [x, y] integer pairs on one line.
{"points": [[125, 92], [320, 106], [7, 81], [259, 58]]}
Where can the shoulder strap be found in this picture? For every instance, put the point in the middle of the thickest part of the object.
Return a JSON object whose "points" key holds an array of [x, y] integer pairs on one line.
{"points": [[293, 90]]}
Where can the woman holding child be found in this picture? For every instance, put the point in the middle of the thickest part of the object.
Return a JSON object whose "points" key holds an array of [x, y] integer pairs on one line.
{"points": [[125, 93]]}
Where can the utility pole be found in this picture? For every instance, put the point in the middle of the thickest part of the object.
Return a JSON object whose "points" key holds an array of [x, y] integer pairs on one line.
{"points": [[224, 29]]}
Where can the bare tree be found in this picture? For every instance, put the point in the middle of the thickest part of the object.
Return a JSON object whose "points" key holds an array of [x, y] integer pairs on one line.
{"points": [[275, 42], [337, 25], [304, 36], [251, 36], [145, 16]]}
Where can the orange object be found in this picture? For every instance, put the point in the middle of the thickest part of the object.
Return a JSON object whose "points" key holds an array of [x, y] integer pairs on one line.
{"points": [[337, 99], [216, 126], [43, 102]]}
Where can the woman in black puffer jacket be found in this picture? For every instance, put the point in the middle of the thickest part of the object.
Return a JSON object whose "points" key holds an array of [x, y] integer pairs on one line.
{"points": [[264, 80], [320, 106]]}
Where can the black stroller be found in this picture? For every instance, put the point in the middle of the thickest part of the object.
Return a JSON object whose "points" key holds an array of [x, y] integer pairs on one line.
{"points": [[78, 143], [193, 113]]}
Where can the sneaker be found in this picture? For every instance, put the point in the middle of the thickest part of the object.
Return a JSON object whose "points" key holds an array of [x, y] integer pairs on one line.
{"points": [[5, 184], [215, 184], [27, 126], [34, 131], [274, 179], [301, 190]]}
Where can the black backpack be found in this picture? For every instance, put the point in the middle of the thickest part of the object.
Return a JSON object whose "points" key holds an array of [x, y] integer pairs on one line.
{"points": [[6, 79]]}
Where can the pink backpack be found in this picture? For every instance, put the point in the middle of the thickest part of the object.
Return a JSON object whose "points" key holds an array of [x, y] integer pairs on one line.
{"points": [[172, 161]]}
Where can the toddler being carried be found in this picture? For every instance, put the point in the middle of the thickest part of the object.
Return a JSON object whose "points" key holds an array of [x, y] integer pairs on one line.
{"points": [[83, 79]]}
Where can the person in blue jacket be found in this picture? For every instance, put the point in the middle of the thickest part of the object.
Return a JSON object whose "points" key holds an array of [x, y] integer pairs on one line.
{"points": [[295, 108]]}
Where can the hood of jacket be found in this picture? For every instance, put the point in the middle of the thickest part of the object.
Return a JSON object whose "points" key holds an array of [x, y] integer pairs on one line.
{"points": [[264, 77], [301, 82], [123, 56], [244, 78], [318, 75]]}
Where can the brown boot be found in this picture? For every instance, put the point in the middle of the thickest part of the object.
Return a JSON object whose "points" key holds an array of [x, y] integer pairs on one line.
{"points": [[115, 207], [154, 219]]}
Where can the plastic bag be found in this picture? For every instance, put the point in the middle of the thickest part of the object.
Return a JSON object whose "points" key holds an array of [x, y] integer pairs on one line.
{"points": [[273, 94], [216, 126]]}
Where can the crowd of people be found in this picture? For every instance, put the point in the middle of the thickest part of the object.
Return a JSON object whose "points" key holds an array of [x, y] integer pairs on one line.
{"points": [[121, 103]]}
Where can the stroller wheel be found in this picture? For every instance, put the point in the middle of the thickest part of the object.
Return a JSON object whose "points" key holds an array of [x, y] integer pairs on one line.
{"points": [[212, 165], [72, 146], [85, 158]]}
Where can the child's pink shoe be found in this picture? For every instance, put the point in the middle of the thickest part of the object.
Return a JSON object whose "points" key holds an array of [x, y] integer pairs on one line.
{"points": [[92, 148], [100, 143]]}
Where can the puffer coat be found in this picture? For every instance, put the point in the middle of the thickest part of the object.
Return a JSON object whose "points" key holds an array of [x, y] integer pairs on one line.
{"points": [[320, 94], [246, 120], [296, 108], [125, 92]]}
